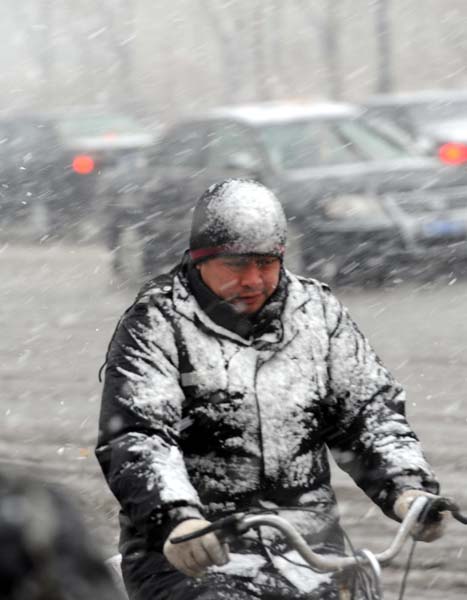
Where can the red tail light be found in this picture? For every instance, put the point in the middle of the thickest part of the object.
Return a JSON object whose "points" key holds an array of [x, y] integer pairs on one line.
{"points": [[83, 164], [453, 153]]}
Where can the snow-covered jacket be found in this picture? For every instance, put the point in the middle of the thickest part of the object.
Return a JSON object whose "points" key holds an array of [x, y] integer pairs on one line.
{"points": [[197, 420]]}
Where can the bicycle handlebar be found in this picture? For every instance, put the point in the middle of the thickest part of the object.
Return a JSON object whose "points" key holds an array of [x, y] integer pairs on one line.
{"points": [[239, 523]]}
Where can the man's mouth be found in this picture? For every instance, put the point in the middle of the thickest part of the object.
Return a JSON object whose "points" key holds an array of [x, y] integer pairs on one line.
{"points": [[248, 302], [249, 297], [245, 297]]}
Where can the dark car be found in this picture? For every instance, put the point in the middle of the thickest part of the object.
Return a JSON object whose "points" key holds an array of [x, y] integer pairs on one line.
{"points": [[51, 164], [360, 203], [436, 121]]}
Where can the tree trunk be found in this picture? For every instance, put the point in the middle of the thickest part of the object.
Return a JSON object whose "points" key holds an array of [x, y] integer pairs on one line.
{"points": [[227, 29], [278, 28], [330, 48], [383, 38], [325, 24], [259, 57], [36, 22], [119, 21]]}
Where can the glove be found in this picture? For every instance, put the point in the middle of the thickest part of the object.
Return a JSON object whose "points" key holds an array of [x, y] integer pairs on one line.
{"points": [[194, 556], [424, 532]]}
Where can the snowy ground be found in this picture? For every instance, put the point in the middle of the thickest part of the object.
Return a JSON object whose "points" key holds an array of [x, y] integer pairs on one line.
{"points": [[58, 307]]}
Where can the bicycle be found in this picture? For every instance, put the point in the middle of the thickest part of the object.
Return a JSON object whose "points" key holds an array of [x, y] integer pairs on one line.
{"points": [[232, 526]]}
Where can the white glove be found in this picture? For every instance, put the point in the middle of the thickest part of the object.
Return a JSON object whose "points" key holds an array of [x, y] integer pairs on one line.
{"points": [[423, 532], [194, 556]]}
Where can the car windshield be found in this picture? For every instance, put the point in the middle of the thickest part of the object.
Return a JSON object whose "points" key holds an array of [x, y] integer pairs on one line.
{"points": [[313, 143], [97, 125]]}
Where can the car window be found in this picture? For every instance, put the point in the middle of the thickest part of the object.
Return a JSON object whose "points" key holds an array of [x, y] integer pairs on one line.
{"points": [[227, 142], [314, 143], [181, 148], [396, 114], [304, 144], [370, 142], [390, 129]]}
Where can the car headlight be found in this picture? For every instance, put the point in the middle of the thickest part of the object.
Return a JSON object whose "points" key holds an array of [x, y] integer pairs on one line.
{"points": [[353, 206]]}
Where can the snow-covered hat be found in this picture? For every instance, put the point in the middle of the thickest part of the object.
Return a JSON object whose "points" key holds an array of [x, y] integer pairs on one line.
{"points": [[237, 216]]}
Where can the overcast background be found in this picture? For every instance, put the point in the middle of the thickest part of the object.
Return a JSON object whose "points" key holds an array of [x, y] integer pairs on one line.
{"points": [[161, 58]]}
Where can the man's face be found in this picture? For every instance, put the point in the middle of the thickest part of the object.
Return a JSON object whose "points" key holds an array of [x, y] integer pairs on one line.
{"points": [[244, 281]]}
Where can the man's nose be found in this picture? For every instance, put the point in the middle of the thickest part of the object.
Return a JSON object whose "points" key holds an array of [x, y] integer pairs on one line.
{"points": [[251, 276]]}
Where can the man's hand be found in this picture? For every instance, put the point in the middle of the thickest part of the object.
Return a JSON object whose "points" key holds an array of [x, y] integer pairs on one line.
{"points": [[194, 556], [424, 532]]}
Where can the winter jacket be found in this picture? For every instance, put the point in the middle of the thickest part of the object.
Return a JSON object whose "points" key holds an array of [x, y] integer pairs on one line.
{"points": [[197, 420]]}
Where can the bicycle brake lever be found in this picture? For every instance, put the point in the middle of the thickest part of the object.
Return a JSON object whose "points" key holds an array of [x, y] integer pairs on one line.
{"points": [[225, 529]]}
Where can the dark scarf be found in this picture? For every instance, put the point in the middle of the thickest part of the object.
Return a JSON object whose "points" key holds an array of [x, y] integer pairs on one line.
{"points": [[268, 318]]}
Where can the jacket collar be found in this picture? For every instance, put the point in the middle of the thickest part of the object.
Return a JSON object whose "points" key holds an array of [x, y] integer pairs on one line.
{"points": [[281, 327], [218, 310]]}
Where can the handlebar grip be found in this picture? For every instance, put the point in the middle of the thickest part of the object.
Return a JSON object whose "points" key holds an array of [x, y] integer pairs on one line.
{"points": [[461, 517], [223, 527], [435, 506]]}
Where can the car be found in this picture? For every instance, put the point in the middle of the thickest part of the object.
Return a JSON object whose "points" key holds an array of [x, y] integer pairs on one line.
{"points": [[361, 205], [51, 163], [436, 121]]}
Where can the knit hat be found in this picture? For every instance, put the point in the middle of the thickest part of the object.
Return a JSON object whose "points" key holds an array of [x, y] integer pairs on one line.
{"points": [[237, 216]]}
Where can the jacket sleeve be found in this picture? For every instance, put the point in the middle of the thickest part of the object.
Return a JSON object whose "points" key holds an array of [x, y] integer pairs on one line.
{"points": [[368, 433], [139, 425]]}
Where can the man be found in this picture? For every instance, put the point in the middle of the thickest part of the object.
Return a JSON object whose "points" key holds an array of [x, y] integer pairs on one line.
{"points": [[226, 381]]}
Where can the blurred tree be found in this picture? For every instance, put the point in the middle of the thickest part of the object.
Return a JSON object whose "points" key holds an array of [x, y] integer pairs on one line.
{"points": [[91, 41], [324, 20], [260, 23], [249, 40], [101, 34], [330, 44], [383, 38], [172, 57], [228, 27], [278, 28], [118, 22], [34, 22], [82, 46]]}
